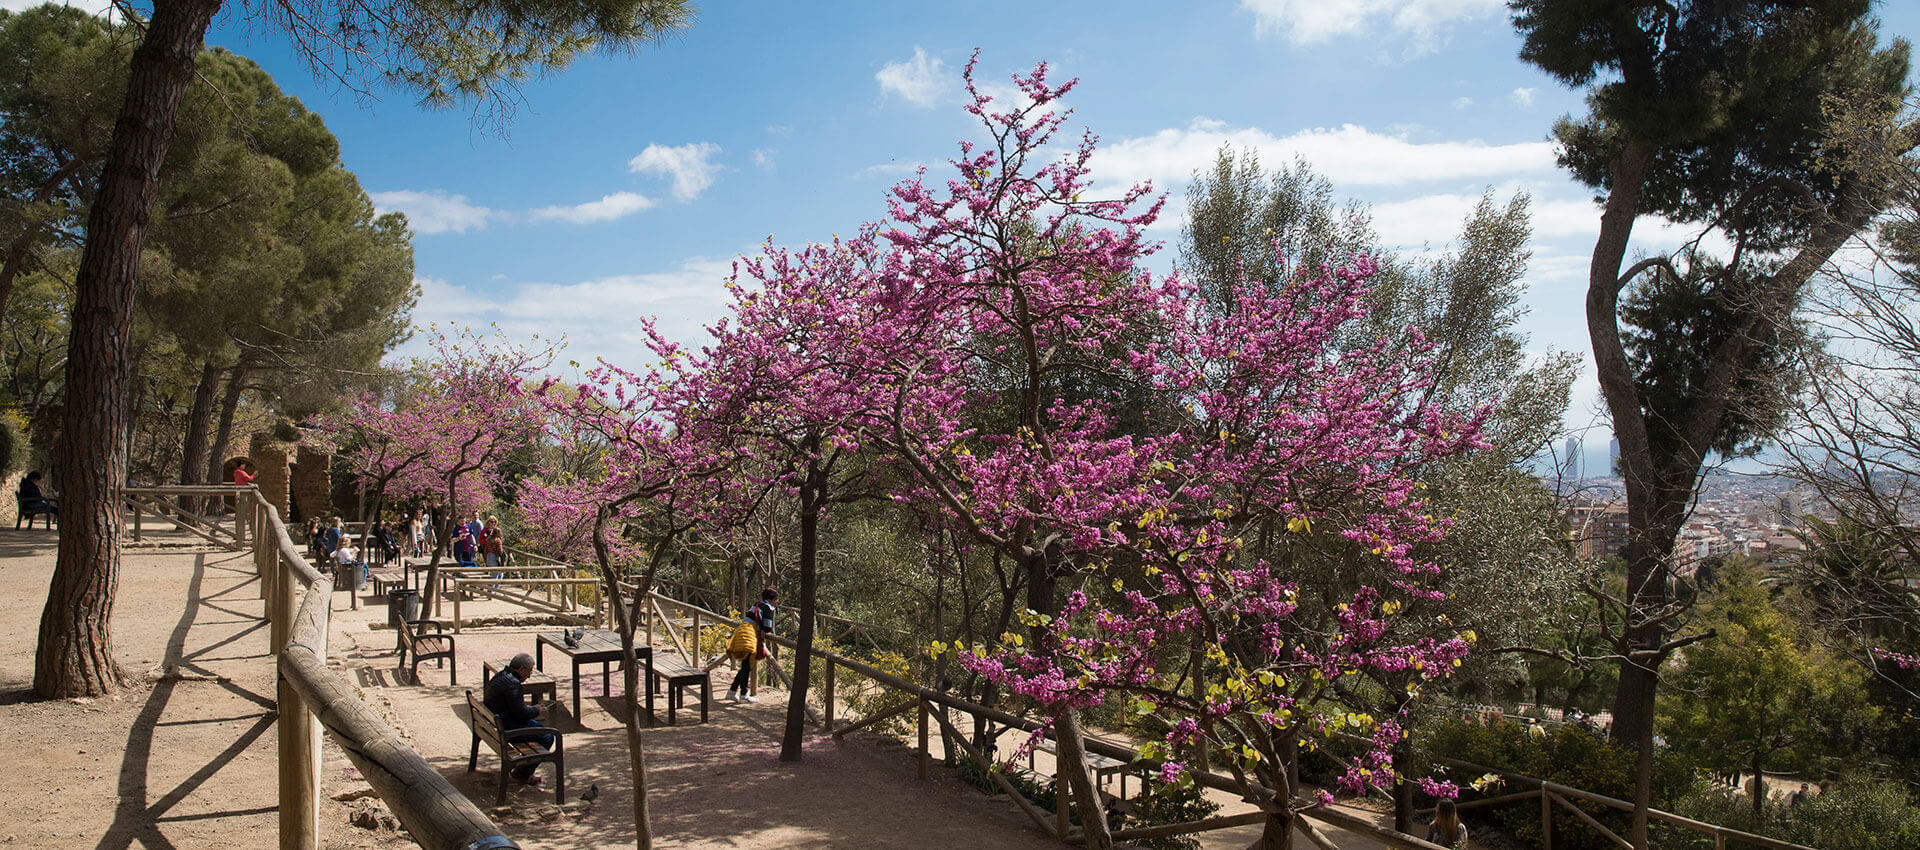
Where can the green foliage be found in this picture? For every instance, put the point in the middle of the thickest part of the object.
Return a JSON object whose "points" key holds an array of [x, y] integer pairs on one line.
{"points": [[864, 696], [1761, 694], [1861, 815], [1568, 756], [14, 447], [1165, 804]]}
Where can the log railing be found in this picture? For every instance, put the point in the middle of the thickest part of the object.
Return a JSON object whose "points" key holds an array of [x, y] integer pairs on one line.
{"points": [[313, 698]]}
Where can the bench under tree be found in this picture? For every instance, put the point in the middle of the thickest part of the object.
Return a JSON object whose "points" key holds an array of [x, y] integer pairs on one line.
{"points": [[427, 640], [514, 748]]}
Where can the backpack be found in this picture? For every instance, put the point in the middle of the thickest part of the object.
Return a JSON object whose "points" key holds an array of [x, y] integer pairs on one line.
{"points": [[743, 644]]}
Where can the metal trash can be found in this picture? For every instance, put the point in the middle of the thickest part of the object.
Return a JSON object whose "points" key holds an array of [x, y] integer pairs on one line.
{"points": [[349, 577], [402, 602]]}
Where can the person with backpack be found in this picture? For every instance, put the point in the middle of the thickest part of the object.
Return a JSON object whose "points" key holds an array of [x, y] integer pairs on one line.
{"points": [[760, 617]]}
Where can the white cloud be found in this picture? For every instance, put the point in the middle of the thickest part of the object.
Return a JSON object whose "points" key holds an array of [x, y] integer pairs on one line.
{"points": [[616, 205], [1349, 155], [1462, 102], [1522, 96], [597, 315], [763, 157], [689, 165], [920, 80], [433, 211], [1423, 22]]}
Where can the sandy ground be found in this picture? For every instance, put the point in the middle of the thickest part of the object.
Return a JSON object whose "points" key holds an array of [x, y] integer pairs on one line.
{"points": [[185, 758]]}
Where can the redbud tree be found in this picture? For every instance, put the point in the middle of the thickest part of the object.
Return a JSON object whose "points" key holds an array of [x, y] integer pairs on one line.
{"points": [[1153, 463]]}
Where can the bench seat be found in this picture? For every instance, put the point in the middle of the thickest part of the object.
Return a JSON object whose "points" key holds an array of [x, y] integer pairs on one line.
{"points": [[427, 640], [677, 678], [513, 749]]}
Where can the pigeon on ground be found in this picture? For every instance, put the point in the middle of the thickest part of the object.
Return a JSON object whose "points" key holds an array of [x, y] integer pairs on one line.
{"points": [[593, 792]]}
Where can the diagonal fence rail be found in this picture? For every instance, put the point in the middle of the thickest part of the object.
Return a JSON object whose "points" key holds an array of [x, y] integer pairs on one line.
{"points": [[314, 698]]}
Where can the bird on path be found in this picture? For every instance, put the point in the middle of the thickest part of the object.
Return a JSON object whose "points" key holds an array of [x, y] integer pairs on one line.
{"points": [[592, 793]]}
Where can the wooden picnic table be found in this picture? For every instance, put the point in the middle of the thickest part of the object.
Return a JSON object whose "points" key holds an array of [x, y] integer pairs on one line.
{"points": [[597, 645]]}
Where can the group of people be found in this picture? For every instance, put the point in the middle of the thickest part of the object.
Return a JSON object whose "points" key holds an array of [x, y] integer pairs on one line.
{"points": [[476, 542]]}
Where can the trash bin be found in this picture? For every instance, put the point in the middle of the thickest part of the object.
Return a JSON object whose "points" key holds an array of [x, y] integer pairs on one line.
{"points": [[349, 577], [402, 602]]}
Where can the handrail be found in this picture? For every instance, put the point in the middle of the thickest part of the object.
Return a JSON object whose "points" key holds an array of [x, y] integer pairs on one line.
{"points": [[299, 599], [925, 695]]}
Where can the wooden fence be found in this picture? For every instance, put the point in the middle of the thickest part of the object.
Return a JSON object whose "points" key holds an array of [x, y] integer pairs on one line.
{"points": [[313, 697], [932, 710]]}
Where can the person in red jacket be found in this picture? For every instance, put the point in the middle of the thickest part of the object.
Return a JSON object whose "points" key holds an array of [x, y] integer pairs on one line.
{"points": [[241, 477]]}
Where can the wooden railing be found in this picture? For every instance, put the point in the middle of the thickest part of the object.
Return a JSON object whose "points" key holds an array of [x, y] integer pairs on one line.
{"points": [[1551, 794], [313, 697], [932, 707]]}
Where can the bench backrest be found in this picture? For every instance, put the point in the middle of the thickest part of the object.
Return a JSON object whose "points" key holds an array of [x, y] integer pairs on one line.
{"points": [[486, 725]]}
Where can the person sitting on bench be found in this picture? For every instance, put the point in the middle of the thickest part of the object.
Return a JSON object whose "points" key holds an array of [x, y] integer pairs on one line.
{"points": [[31, 500], [509, 703]]}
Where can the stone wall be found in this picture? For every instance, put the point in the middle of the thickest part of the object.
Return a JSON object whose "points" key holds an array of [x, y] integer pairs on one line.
{"points": [[312, 483], [272, 473]]}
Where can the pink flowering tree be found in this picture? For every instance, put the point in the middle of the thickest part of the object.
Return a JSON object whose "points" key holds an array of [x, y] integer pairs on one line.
{"points": [[787, 385], [444, 443], [1147, 466], [639, 475]]}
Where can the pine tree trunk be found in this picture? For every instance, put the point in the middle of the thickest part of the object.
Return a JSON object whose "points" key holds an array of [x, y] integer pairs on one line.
{"points": [[223, 431], [193, 449], [75, 654]]}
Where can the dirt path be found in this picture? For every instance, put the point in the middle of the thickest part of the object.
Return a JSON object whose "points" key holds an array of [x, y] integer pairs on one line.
{"points": [[185, 758]]}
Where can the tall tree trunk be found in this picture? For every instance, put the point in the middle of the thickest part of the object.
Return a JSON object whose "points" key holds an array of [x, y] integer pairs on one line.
{"points": [[193, 449], [223, 431], [791, 743], [75, 654], [1277, 832], [626, 619]]}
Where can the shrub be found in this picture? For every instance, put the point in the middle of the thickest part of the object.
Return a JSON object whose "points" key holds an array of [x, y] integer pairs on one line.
{"points": [[1568, 756], [1860, 815]]}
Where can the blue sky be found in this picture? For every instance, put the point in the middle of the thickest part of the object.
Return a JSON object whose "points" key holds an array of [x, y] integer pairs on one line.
{"points": [[625, 185]]}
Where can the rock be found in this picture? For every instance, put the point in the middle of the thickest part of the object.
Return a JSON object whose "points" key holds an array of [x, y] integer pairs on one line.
{"points": [[549, 814], [355, 794], [369, 815]]}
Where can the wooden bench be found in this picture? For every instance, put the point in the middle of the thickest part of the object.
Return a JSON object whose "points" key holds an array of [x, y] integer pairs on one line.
{"points": [[678, 677], [30, 508], [513, 748], [424, 640]]}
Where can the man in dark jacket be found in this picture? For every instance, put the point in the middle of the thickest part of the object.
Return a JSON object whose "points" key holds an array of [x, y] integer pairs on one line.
{"points": [[509, 703]]}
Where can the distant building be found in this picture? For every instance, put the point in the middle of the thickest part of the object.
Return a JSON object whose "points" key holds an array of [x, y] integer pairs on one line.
{"points": [[1570, 467], [1613, 457], [1792, 509], [1598, 530]]}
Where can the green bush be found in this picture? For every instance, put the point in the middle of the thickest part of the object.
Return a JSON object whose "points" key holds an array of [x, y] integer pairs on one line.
{"points": [[1567, 756], [13, 442], [1861, 815]]}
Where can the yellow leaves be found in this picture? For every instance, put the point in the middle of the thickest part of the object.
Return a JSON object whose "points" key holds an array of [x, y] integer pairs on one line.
{"points": [[1119, 586], [1470, 636], [1391, 607], [1299, 525]]}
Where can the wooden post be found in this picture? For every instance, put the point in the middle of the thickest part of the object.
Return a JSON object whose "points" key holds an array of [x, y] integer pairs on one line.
{"points": [[299, 734], [924, 754], [458, 591], [693, 646], [827, 724], [1059, 801], [1546, 820], [136, 519]]}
